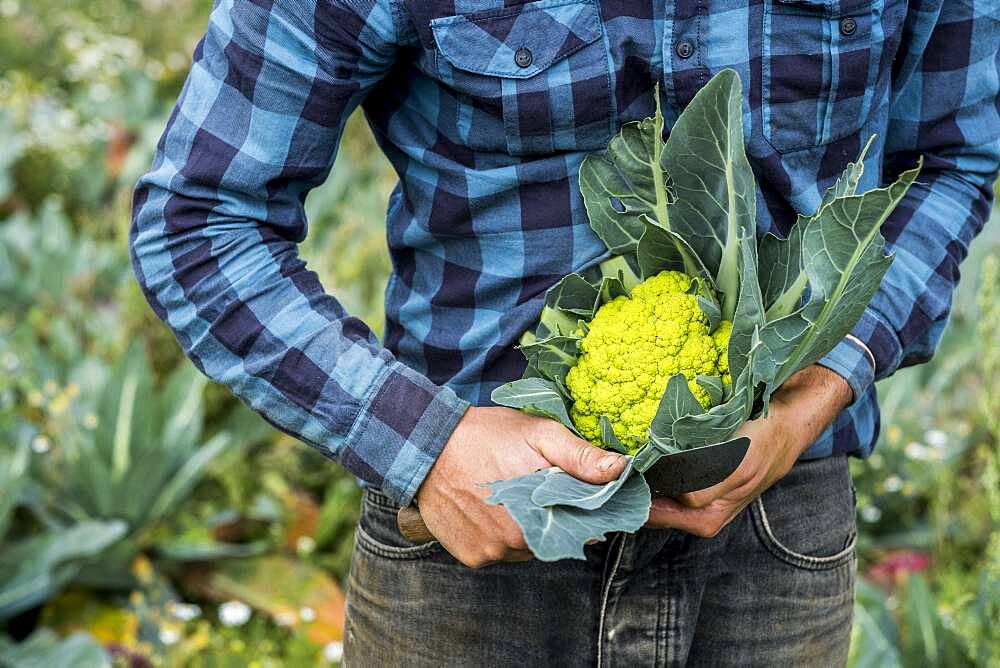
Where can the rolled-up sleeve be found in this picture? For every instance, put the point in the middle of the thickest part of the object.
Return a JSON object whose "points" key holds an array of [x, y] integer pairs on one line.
{"points": [[217, 221], [946, 108]]}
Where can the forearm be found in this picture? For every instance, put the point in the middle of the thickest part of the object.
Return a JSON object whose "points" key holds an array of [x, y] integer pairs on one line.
{"points": [[810, 400], [944, 110], [216, 227]]}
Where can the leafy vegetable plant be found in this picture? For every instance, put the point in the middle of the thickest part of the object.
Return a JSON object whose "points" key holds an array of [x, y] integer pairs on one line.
{"points": [[686, 206], [129, 453]]}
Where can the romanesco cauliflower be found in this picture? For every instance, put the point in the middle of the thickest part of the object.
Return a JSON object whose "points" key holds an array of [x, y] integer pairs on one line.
{"points": [[633, 346]]}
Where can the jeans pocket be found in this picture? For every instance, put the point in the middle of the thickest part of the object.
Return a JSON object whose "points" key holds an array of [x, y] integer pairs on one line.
{"points": [[818, 70], [541, 70], [808, 518], [378, 533]]}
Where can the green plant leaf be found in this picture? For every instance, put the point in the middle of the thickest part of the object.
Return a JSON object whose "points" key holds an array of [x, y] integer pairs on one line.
{"points": [[573, 294], [560, 532], [536, 396], [13, 466], [182, 407], [715, 191], [184, 480], [714, 386], [608, 438], [566, 302], [45, 649], [874, 636], [127, 415], [651, 453], [749, 315], [181, 549], [711, 310], [35, 569], [722, 421], [559, 488], [660, 249], [784, 280], [553, 357], [779, 339], [844, 256], [715, 426], [625, 183], [676, 402], [847, 183], [623, 267], [926, 641]]}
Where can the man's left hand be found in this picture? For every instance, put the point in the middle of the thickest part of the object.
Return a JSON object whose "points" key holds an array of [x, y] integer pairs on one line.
{"points": [[799, 412]]}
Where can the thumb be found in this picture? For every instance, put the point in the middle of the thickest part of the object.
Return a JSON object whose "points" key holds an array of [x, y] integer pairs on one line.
{"points": [[576, 456]]}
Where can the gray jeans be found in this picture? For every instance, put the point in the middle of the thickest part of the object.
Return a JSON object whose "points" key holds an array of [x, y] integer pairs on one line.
{"points": [[774, 588]]}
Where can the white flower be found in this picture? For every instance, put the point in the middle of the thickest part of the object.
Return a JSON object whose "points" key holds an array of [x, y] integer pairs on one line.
{"points": [[11, 362], [916, 450], [41, 444], [234, 613], [305, 545], [185, 612], [936, 438], [334, 652], [285, 618], [871, 514], [169, 636]]}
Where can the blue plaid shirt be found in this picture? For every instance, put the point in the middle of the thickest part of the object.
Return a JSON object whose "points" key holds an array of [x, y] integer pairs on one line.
{"points": [[486, 108]]}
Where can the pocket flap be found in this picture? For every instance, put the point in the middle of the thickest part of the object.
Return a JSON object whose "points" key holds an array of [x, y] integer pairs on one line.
{"points": [[489, 42], [832, 8]]}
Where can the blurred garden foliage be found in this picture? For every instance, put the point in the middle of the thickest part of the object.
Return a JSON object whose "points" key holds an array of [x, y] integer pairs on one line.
{"points": [[146, 517]]}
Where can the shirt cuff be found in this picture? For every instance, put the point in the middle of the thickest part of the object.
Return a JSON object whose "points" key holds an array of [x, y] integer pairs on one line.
{"points": [[400, 432], [875, 332], [850, 360], [870, 352]]}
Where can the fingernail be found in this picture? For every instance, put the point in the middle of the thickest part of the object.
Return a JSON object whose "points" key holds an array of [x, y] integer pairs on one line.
{"points": [[608, 462]]}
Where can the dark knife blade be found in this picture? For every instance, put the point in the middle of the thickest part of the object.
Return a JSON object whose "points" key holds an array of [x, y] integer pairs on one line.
{"points": [[697, 468]]}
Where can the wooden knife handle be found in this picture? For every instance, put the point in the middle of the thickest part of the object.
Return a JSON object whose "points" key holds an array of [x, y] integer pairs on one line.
{"points": [[412, 526]]}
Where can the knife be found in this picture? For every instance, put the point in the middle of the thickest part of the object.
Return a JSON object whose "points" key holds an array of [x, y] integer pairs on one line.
{"points": [[671, 475]]}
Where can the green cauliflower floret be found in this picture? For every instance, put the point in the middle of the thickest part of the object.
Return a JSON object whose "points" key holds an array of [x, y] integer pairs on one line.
{"points": [[633, 346]]}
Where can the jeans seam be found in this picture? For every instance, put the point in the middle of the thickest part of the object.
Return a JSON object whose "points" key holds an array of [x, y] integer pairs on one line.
{"points": [[380, 499], [370, 544], [604, 601], [806, 561]]}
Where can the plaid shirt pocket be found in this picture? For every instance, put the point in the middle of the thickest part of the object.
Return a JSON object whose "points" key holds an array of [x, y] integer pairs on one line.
{"points": [[818, 70], [536, 76]]}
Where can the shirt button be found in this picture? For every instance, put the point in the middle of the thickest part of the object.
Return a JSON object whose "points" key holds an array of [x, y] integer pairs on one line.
{"points": [[684, 49], [848, 26], [522, 57]]}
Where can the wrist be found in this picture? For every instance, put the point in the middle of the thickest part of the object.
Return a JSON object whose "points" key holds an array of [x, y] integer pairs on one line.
{"points": [[810, 400], [441, 470]]}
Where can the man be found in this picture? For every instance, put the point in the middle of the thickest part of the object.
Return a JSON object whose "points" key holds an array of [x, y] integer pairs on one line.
{"points": [[485, 109]]}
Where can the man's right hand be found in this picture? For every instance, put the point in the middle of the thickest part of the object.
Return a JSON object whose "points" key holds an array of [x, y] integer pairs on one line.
{"points": [[492, 444]]}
